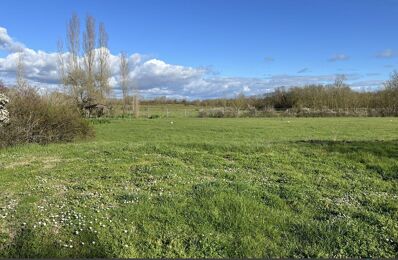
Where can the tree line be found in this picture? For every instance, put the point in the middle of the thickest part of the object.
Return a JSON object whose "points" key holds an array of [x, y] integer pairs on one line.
{"points": [[337, 96], [331, 98]]}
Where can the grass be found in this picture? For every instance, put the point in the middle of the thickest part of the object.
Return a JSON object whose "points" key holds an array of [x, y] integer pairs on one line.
{"points": [[162, 110], [316, 187]]}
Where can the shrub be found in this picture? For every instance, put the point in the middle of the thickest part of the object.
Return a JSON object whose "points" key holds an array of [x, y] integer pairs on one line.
{"points": [[154, 116], [218, 112], [42, 119]]}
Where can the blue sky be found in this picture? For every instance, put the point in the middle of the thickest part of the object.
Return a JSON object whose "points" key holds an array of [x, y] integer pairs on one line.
{"points": [[260, 41]]}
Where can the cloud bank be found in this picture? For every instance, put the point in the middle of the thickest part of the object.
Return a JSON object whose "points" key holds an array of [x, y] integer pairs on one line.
{"points": [[155, 77]]}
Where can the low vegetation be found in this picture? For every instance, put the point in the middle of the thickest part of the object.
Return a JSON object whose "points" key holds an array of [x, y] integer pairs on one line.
{"points": [[41, 119], [331, 100], [286, 187]]}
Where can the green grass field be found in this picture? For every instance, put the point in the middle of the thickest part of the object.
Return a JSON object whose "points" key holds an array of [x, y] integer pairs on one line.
{"points": [[165, 110], [316, 187]]}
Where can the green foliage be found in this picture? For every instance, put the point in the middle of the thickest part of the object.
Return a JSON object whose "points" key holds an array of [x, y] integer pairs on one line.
{"points": [[206, 188]]}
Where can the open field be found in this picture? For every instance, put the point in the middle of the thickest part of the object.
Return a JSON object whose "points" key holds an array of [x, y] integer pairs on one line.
{"points": [[315, 187], [162, 110]]}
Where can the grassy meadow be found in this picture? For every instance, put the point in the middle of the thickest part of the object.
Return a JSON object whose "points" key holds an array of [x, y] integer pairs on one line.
{"points": [[161, 110], [191, 187]]}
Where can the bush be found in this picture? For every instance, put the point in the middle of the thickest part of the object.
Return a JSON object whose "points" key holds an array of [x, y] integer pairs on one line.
{"points": [[218, 112], [154, 116], [42, 119]]}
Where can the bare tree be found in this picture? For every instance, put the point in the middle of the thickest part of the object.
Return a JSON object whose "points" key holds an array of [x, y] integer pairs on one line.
{"points": [[390, 93], [61, 63], [124, 79], [103, 63], [239, 102], [21, 81], [339, 81], [392, 83], [73, 40], [89, 56], [337, 91], [69, 67], [224, 100], [136, 100], [85, 75]]}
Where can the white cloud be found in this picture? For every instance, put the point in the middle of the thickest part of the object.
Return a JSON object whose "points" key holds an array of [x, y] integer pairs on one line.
{"points": [[155, 77], [7, 43]]}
